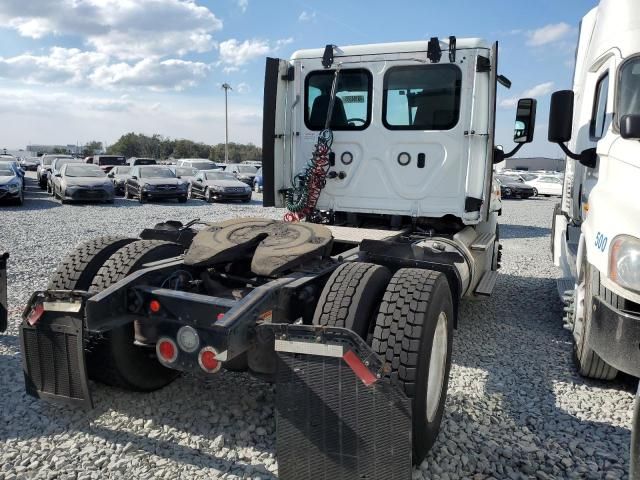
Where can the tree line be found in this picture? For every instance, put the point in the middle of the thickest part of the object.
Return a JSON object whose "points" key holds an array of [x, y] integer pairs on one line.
{"points": [[157, 146]]}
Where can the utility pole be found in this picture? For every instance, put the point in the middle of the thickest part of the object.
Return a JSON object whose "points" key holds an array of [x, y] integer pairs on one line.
{"points": [[226, 87]]}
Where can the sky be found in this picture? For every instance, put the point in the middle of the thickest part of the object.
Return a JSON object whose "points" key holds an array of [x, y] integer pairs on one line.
{"points": [[72, 71]]}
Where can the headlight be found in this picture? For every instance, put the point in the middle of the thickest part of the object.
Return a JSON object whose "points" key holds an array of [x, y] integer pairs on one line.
{"points": [[13, 185], [147, 186], [217, 188], [247, 188], [624, 262]]}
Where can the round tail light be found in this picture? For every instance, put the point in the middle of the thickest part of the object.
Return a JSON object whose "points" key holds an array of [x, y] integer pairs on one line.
{"points": [[154, 306], [167, 350], [208, 360]]}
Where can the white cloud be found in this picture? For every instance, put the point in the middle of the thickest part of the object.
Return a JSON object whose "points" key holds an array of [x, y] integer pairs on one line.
{"points": [[62, 66], [243, 5], [122, 28], [537, 91], [548, 34], [243, 87], [307, 16], [234, 54], [74, 67], [150, 73]]}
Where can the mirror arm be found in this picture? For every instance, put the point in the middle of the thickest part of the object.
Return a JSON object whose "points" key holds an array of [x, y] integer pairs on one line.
{"points": [[568, 152], [514, 151]]}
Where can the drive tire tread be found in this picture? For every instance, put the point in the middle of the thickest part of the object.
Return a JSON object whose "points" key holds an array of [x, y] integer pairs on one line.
{"points": [[411, 296], [351, 295], [77, 270]]}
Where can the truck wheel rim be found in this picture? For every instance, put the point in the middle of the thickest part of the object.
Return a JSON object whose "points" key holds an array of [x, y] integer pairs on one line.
{"points": [[437, 367]]}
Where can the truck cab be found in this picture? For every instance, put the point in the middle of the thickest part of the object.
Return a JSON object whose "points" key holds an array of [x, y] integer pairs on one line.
{"points": [[412, 137], [596, 227], [411, 141]]}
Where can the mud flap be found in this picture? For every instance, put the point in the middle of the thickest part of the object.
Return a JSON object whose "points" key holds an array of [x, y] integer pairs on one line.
{"points": [[335, 417], [52, 343]]}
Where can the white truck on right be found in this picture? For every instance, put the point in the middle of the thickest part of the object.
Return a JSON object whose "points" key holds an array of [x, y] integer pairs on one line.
{"points": [[596, 227]]}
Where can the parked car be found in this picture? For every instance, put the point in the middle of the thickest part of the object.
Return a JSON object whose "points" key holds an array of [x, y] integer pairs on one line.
{"points": [[44, 169], [185, 173], [30, 164], [133, 161], [197, 163], [77, 181], [14, 163], [119, 176], [257, 181], [510, 188], [11, 184], [546, 185], [212, 185], [244, 173], [153, 183], [56, 166], [106, 162]]}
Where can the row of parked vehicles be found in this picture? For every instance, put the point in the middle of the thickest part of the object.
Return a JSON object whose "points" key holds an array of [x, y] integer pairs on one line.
{"points": [[103, 177], [523, 184]]}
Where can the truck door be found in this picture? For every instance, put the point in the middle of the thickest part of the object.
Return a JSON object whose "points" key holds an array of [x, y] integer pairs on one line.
{"points": [[277, 131], [597, 110]]}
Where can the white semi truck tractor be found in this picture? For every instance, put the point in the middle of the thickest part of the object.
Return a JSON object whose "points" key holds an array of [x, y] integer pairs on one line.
{"points": [[383, 156], [596, 227]]}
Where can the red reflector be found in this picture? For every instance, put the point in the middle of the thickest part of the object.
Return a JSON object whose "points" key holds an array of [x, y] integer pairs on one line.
{"points": [[35, 314], [154, 306], [359, 368], [167, 350], [220, 316], [208, 360]]}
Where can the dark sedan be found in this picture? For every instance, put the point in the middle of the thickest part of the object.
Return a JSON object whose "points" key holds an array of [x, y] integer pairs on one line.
{"points": [[80, 182], [513, 189], [155, 183], [119, 176], [213, 185]]}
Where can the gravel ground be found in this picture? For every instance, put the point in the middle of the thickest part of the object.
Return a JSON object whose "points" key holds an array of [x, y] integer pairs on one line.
{"points": [[516, 408]]}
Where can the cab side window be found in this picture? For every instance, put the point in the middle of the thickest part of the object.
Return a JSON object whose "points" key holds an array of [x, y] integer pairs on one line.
{"points": [[599, 121]]}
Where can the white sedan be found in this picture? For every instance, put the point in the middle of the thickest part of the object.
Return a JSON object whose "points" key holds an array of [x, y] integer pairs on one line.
{"points": [[546, 185]]}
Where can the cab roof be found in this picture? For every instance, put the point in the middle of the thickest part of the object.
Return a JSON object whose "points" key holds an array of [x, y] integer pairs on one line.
{"points": [[389, 48]]}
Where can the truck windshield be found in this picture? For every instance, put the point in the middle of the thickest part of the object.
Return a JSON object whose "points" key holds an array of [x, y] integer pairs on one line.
{"points": [[421, 97], [629, 97], [352, 107]]}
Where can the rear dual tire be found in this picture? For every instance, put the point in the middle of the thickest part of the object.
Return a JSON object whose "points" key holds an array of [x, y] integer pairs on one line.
{"points": [[413, 333], [114, 359]]}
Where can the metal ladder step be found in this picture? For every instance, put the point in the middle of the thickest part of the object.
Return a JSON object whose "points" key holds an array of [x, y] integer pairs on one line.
{"points": [[487, 283], [483, 242], [565, 284]]}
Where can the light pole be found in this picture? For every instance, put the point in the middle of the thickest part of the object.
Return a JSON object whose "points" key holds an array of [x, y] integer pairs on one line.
{"points": [[226, 87]]}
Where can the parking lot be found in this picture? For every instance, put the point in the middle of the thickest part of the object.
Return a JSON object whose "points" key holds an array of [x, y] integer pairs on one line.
{"points": [[516, 407]]}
